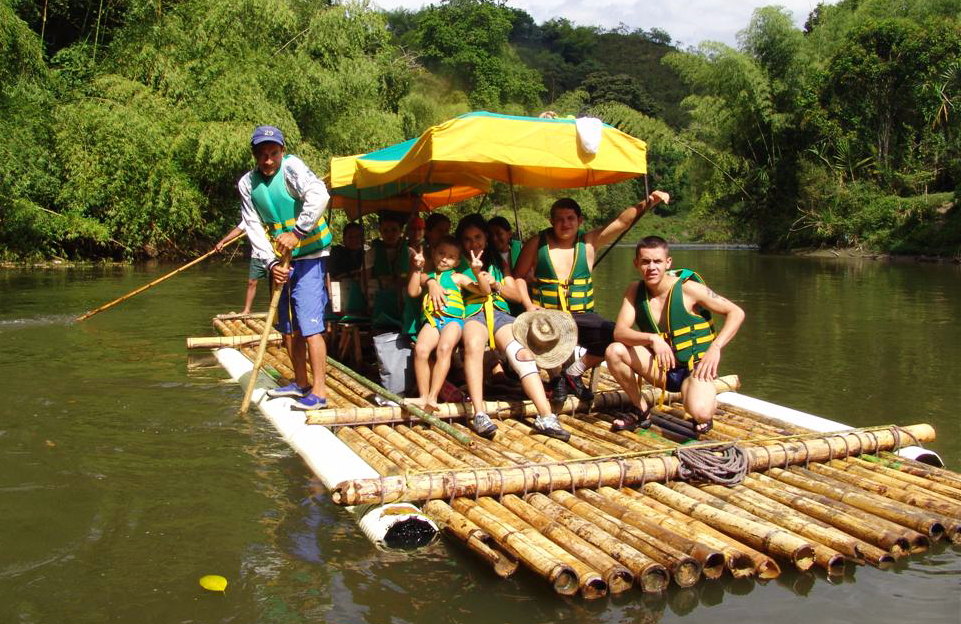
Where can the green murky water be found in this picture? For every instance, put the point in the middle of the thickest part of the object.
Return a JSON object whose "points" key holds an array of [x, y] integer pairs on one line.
{"points": [[124, 478]]}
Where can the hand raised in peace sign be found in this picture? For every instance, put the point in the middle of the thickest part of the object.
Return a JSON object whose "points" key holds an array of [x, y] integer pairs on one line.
{"points": [[476, 262], [417, 257]]}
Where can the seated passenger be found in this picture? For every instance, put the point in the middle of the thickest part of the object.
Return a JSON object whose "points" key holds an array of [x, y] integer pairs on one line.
{"points": [[675, 346], [443, 326], [345, 264], [561, 261], [387, 265]]}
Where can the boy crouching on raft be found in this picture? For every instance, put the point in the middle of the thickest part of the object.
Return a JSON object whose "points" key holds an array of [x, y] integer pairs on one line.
{"points": [[443, 326], [675, 347]]}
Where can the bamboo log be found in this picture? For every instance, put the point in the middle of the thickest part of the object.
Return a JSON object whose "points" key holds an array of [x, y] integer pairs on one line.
{"points": [[710, 560], [802, 524], [899, 514], [457, 525], [442, 456], [632, 471], [685, 570], [891, 488], [589, 428], [368, 453], [825, 556], [262, 346], [927, 484], [777, 541], [218, 342], [563, 578], [591, 584], [927, 471], [650, 575], [230, 316], [761, 564], [387, 414], [139, 290], [617, 577], [893, 542]]}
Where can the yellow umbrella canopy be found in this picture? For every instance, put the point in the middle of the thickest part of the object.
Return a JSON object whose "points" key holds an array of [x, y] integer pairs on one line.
{"points": [[529, 151], [399, 195]]}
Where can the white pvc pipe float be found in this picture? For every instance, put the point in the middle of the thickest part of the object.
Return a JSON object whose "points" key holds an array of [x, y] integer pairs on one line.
{"points": [[815, 423], [396, 526]]}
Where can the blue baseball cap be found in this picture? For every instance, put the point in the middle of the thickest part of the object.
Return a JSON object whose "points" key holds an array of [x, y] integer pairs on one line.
{"points": [[266, 134]]}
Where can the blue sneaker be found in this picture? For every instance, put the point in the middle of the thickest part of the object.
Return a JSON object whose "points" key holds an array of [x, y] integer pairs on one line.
{"points": [[290, 390], [309, 402]]}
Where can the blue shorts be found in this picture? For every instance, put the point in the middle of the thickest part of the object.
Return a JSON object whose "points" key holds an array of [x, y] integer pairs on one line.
{"points": [[440, 322], [304, 298]]}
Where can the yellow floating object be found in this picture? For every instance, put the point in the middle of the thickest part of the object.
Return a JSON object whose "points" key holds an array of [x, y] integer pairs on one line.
{"points": [[213, 582]]}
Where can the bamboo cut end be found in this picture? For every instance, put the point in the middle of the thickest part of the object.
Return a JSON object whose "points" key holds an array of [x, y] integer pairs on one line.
{"points": [[564, 580], [687, 572], [768, 569], [655, 579], [803, 557], [620, 581], [713, 566], [593, 588]]}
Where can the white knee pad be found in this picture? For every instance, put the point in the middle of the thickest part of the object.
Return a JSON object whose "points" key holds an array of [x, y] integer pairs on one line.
{"points": [[523, 368]]}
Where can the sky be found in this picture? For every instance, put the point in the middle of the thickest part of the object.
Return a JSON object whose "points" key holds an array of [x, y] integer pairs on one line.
{"points": [[689, 22]]}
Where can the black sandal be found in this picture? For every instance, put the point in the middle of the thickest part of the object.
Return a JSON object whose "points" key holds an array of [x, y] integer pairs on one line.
{"points": [[703, 428], [632, 418]]}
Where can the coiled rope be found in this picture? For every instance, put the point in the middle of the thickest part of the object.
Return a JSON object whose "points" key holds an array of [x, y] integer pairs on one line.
{"points": [[727, 466]]}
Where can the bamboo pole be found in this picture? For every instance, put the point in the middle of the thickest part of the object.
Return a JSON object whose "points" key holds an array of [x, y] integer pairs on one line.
{"points": [[368, 453], [233, 315], [650, 575], [802, 524], [137, 291], [928, 485], [894, 542], [899, 514], [824, 556], [762, 565], [386, 414], [411, 409], [218, 342], [777, 541], [891, 488], [915, 467], [600, 472], [618, 578], [591, 583], [502, 561], [684, 569], [710, 560], [519, 543], [262, 347], [686, 536]]}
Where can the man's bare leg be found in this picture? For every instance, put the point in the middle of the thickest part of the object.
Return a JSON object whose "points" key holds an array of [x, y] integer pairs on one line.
{"points": [[317, 350], [251, 294], [296, 350], [700, 400]]}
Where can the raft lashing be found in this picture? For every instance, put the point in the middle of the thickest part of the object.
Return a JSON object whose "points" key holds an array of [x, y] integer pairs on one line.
{"points": [[607, 512]]}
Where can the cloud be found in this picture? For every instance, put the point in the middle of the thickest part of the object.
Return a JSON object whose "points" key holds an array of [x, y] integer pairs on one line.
{"points": [[687, 21]]}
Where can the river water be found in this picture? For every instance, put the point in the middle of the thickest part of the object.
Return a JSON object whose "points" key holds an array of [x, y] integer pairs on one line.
{"points": [[124, 478]]}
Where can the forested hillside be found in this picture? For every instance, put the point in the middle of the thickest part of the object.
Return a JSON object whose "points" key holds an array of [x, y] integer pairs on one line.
{"points": [[126, 123]]}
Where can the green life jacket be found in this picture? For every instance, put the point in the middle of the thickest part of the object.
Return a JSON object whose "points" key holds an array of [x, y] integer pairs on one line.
{"points": [[391, 277], [279, 211], [689, 335], [474, 302], [455, 301], [574, 294], [515, 251]]}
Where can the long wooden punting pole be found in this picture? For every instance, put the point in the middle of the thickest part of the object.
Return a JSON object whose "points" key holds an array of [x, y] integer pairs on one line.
{"points": [[607, 399], [613, 472], [262, 347], [111, 304], [411, 409]]}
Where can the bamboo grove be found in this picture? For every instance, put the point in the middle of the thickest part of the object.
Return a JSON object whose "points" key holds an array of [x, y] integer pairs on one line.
{"points": [[126, 122]]}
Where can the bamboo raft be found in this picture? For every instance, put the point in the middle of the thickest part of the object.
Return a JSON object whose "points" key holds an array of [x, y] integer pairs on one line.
{"points": [[605, 512]]}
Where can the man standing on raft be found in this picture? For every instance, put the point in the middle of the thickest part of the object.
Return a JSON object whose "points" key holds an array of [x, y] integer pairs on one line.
{"points": [[292, 206], [676, 347], [565, 250]]}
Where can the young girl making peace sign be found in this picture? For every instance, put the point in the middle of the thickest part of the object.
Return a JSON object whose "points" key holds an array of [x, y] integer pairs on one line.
{"points": [[442, 330]]}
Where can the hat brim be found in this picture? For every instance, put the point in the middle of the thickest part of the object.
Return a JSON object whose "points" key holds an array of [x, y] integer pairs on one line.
{"points": [[566, 328]]}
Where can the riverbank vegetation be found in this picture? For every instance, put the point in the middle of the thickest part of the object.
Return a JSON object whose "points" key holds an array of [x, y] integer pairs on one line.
{"points": [[126, 123]]}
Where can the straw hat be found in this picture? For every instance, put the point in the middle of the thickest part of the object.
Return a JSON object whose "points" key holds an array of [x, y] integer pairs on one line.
{"points": [[550, 335]]}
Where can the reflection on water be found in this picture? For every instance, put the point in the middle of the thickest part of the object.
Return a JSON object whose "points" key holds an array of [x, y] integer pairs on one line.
{"points": [[123, 479]]}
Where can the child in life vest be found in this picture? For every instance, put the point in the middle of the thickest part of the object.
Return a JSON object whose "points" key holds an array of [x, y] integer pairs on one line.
{"points": [[444, 315]]}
